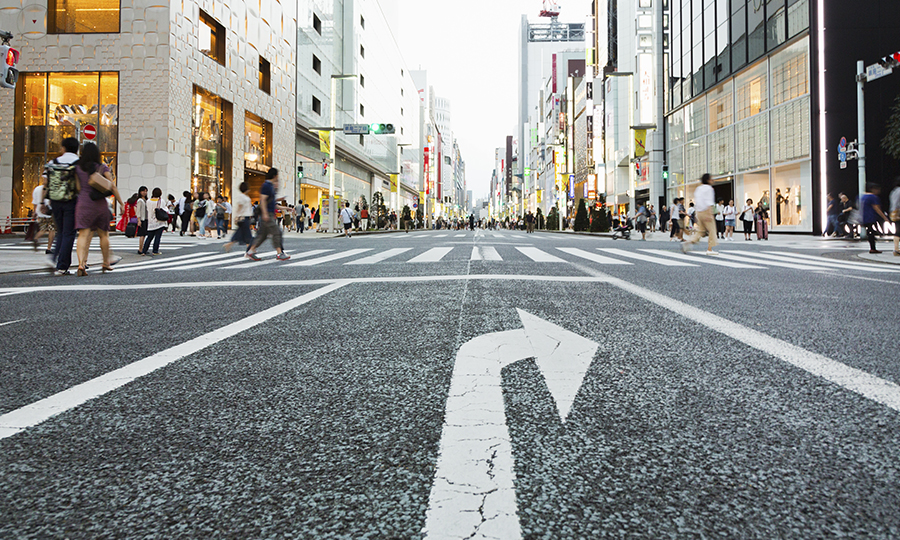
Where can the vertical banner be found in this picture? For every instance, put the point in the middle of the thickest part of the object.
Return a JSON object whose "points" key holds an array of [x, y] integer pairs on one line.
{"points": [[427, 172], [325, 142], [640, 142], [395, 183]]}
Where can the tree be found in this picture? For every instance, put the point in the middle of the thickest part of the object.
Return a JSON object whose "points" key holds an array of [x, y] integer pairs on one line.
{"points": [[891, 141], [599, 218], [582, 222], [379, 209], [539, 219], [553, 219]]}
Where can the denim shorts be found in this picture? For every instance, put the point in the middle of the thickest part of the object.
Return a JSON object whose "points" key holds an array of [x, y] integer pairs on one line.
{"points": [[729, 223]]}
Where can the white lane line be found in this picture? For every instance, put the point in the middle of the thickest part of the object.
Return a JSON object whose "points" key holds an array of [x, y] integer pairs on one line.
{"points": [[432, 255], [31, 415], [875, 388], [247, 263], [168, 259], [264, 262], [819, 264], [162, 263], [844, 264], [12, 322], [440, 236], [704, 260], [485, 253], [460, 236], [330, 258], [378, 257], [645, 258], [476, 255], [593, 256], [498, 235], [538, 255], [825, 272], [767, 262], [212, 261]]}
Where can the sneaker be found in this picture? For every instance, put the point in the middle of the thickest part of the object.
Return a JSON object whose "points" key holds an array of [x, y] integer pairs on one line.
{"points": [[282, 256], [252, 256], [62, 273]]}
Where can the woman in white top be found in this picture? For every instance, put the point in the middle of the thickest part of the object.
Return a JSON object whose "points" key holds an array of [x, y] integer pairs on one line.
{"points": [[720, 219], [155, 225], [729, 222], [243, 213], [747, 218]]}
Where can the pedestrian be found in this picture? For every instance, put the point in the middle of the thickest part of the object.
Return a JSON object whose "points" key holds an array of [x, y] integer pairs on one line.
{"points": [[664, 218], [92, 211], [140, 210], [347, 219], [301, 217], [221, 210], [704, 200], [729, 221], [895, 216], [364, 218], [62, 188], [228, 211], [641, 220], [128, 216], [833, 211], [40, 199], [677, 214], [172, 209], [201, 209], [243, 213], [407, 218], [762, 223], [185, 210], [652, 221], [691, 217], [870, 210], [268, 226], [156, 222], [845, 228], [529, 222], [747, 219], [720, 219], [316, 219]]}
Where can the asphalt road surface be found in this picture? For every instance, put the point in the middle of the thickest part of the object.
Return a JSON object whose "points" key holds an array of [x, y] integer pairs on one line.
{"points": [[454, 385]]}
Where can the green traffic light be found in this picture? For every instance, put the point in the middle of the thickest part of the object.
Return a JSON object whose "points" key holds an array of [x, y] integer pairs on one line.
{"points": [[375, 128]]}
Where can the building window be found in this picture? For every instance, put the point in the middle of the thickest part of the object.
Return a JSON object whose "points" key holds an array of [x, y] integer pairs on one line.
{"points": [[402, 93], [362, 81], [317, 65], [211, 144], [317, 24], [790, 73], [362, 109], [257, 150], [265, 75], [317, 105], [52, 106], [362, 22], [750, 92], [212, 38], [82, 16], [362, 51], [401, 111]]}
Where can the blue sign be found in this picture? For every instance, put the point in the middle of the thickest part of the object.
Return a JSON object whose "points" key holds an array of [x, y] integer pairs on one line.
{"points": [[571, 186], [356, 129]]}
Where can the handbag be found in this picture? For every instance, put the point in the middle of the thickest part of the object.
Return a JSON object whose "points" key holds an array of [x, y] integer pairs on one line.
{"points": [[160, 213], [101, 187], [131, 229]]}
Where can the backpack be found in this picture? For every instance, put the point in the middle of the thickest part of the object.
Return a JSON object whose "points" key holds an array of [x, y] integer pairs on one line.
{"points": [[62, 181], [201, 209]]}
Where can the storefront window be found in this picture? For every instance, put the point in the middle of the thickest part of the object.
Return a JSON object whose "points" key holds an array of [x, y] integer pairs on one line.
{"points": [[53, 106], [82, 16], [790, 73], [211, 144], [755, 186], [750, 92], [695, 119], [257, 151], [792, 185], [721, 107]]}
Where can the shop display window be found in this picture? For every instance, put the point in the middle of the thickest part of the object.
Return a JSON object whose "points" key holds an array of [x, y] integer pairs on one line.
{"points": [[83, 16], [257, 150], [755, 186], [792, 187], [211, 144], [751, 92]]}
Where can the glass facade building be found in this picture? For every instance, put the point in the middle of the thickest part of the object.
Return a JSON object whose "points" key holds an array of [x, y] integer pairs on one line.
{"points": [[740, 105]]}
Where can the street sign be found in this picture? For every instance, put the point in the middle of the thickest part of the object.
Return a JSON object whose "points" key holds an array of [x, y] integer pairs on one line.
{"points": [[876, 71], [842, 152], [90, 132], [356, 129], [474, 484]]}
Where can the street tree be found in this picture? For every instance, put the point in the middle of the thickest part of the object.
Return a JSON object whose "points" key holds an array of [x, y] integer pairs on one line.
{"points": [[553, 219], [582, 222]]}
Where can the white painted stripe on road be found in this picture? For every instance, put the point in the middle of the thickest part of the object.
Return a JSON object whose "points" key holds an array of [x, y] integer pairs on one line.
{"points": [[432, 255], [267, 260], [167, 259], [703, 260], [163, 263], [31, 415], [476, 255], [767, 262], [486, 253], [440, 236], [844, 264], [875, 388], [247, 263], [498, 235], [460, 236], [645, 258], [820, 264], [538, 255], [12, 322], [593, 256], [330, 258], [211, 261], [378, 257]]}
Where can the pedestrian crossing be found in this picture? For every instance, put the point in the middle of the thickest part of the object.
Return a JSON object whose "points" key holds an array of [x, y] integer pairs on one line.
{"points": [[168, 244], [671, 260]]}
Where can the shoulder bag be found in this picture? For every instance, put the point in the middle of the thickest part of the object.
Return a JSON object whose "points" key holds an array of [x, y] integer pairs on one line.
{"points": [[160, 213]]}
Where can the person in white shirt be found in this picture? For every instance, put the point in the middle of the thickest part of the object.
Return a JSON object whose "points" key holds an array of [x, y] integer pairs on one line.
{"points": [[347, 219], [243, 214], [747, 218], [704, 200], [729, 221], [41, 202], [720, 219], [894, 214]]}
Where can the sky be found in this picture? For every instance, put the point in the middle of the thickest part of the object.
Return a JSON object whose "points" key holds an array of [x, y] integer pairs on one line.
{"points": [[470, 50]]}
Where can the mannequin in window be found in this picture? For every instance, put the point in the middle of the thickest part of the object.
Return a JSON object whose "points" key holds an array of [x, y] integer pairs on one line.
{"points": [[788, 207], [779, 201]]}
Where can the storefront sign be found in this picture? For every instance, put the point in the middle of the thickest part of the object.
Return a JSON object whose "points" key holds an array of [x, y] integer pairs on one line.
{"points": [[254, 166], [90, 132]]}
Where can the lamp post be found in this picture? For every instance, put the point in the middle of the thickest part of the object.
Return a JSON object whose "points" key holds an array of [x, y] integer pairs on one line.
{"points": [[331, 146]]}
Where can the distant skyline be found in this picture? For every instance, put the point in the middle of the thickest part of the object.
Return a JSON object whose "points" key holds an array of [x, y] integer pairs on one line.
{"points": [[470, 50]]}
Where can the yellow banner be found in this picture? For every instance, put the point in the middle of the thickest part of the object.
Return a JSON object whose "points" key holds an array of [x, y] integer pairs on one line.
{"points": [[640, 142], [395, 184], [540, 196], [325, 142]]}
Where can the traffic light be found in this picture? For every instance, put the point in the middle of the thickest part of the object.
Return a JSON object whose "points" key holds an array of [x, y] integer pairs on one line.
{"points": [[300, 172], [8, 72], [381, 129], [324, 167], [665, 172]]}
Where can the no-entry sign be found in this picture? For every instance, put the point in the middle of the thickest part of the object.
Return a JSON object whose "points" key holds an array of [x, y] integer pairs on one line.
{"points": [[90, 132]]}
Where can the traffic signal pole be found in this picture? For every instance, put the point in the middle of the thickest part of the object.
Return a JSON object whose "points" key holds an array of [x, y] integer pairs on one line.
{"points": [[861, 123]]}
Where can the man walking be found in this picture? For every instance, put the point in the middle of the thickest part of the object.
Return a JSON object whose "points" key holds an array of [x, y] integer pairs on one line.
{"points": [[704, 200], [184, 210], [870, 207], [267, 224], [347, 219], [62, 192]]}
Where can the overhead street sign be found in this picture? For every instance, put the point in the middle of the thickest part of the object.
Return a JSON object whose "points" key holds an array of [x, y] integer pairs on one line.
{"points": [[877, 71], [356, 129]]}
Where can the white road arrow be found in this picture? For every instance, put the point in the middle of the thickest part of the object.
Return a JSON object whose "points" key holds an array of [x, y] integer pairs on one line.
{"points": [[473, 495]]}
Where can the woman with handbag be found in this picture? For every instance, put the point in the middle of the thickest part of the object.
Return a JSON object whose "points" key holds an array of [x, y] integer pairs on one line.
{"points": [[140, 210], [157, 221], [128, 217], [91, 209]]}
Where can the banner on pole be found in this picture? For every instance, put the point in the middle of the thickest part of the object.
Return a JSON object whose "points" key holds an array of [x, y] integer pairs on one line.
{"points": [[395, 184], [325, 142], [640, 142]]}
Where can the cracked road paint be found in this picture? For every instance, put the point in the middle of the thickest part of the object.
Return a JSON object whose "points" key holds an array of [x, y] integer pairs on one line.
{"points": [[473, 495]]}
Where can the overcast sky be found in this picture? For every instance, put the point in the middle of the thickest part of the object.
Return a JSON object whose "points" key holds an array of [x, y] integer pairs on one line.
{"points": [[469, 48]]}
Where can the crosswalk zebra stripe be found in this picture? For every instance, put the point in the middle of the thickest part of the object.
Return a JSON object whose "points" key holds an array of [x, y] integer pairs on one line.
{"points": [[767, 262], [821, 265], [330, 258], [167, 259], [163, 263], [844, 264], [460, 236], [538, 255], [211, 262], [432, 255], [645, 258], [486, 253], [247, 263], [441, 236], [593, 256], [378, 257], [707, 260]]}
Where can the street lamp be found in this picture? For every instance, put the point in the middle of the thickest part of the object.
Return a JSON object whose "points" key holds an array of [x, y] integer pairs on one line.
{"points": [[331, 128]]}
